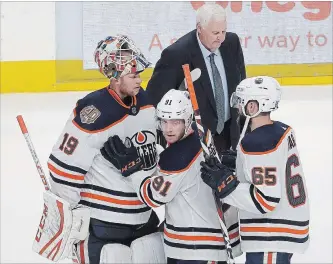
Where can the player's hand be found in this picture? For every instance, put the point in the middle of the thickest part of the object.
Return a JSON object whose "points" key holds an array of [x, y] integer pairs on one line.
{"points": [[219, 177], [124, 158], [228, 158]]}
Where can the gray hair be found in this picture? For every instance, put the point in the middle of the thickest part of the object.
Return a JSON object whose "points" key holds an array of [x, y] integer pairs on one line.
{"points": [[208, 12]]}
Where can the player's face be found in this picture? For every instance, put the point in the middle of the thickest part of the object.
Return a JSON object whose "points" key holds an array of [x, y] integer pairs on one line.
{"points": [[173, 130], [213, 34], [130, 84]]}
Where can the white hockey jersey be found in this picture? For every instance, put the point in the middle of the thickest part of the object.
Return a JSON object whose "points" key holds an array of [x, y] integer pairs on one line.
{"points": [[192, 230], [272, 196], [78, 171]]}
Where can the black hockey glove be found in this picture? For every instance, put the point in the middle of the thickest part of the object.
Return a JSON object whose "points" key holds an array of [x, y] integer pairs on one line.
{"points": [[228, 158], [219, 177], [124, 158]]}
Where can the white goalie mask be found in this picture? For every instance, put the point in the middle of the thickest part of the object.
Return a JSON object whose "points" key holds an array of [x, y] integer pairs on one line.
{"points": [[263, 89], [118, 56], [175, 104]]}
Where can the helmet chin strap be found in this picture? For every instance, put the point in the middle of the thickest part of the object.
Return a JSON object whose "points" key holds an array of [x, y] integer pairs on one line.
{"points": [[247, 121], [243, 131]]}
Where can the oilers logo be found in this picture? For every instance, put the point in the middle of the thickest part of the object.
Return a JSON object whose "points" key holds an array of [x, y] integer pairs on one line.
{"points": [[144, 141]]}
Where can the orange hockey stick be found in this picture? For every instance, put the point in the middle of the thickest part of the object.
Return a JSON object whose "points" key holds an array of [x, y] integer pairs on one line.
{"points": [[209, 149], [41, 173], [32, 151]]}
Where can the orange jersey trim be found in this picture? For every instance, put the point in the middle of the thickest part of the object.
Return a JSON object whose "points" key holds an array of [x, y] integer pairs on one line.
{"points": [[187, 167], [274, 230], [145, 195], [119, 101], [110, 200], [146, 106], [199, 238], [99, 130], [263, 203], [268, 151], [64, 174], [193, 238]]}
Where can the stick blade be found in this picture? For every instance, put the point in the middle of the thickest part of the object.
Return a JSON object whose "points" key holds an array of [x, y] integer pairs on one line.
{"points": [[195, 75]]}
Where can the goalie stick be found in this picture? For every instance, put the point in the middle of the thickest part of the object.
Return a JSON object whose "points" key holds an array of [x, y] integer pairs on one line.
{"points": [[26, 135], [41, 173], [209, 149]]}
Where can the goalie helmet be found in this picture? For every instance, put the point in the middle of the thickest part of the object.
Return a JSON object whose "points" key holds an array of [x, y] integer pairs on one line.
{"points": [[175, 104], [118, 56], [263, 89]]}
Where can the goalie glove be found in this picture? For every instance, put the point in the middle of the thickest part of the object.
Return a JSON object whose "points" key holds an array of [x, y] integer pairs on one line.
{"points": [[60, 228]]}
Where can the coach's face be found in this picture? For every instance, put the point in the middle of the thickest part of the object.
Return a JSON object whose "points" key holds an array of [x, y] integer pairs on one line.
{"points": [[212, 34]]}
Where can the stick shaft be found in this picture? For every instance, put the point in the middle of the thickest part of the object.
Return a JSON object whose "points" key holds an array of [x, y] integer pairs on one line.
{"points": [[209, 149], [26, 135]]}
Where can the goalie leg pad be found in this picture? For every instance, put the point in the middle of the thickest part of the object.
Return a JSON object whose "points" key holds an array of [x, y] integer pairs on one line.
{"points": [[59, 228], [80, 252], [115, 253], [149, 249]]}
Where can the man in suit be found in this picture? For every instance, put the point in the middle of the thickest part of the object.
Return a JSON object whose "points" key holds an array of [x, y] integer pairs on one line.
{"points": [[219, 55]]}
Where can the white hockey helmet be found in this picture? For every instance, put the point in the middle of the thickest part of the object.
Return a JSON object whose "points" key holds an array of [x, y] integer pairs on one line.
{"points": [[175, 104], [263, 89], [118, 56]]}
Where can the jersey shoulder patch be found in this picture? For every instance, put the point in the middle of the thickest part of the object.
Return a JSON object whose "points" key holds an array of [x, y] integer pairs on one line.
{"points": [[97, 111], [264, 139], [180, 155]]}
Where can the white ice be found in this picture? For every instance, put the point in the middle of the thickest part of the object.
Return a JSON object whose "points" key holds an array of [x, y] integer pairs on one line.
{"points": [[307, 109]]}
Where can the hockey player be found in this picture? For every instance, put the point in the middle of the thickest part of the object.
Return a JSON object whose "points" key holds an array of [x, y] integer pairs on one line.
{"points": [[81, 174], [269, 189], [192, 233]]}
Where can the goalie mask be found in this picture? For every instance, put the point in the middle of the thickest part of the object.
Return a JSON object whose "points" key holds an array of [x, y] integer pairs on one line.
{"points": [[118, 56], [263, 89], [175, 105]]}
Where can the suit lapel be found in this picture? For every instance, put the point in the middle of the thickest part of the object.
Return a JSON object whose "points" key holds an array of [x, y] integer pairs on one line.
{"points": [[198, 62], [227, 62]]}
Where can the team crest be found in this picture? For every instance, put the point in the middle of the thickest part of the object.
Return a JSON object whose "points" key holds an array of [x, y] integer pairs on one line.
{"points": [[145, 143], [89, 114]]}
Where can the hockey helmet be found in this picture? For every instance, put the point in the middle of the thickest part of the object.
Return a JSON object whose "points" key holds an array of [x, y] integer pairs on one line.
{"points": [[118, 56], [175, 104], [263, 89]]}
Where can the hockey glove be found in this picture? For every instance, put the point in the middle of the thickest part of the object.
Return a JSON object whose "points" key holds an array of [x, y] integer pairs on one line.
{"points": [[228, 158], [124, 158], [219, 177]]}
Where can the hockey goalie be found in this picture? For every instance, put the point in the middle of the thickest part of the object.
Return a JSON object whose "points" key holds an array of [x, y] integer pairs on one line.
{"points": [[92, 215]]}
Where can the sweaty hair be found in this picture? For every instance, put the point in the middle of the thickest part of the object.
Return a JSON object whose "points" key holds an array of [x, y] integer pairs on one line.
{"points": [[208, 12]]}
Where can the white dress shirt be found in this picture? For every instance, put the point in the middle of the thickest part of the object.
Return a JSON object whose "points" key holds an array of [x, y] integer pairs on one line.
{"points": [[220, 66]]}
